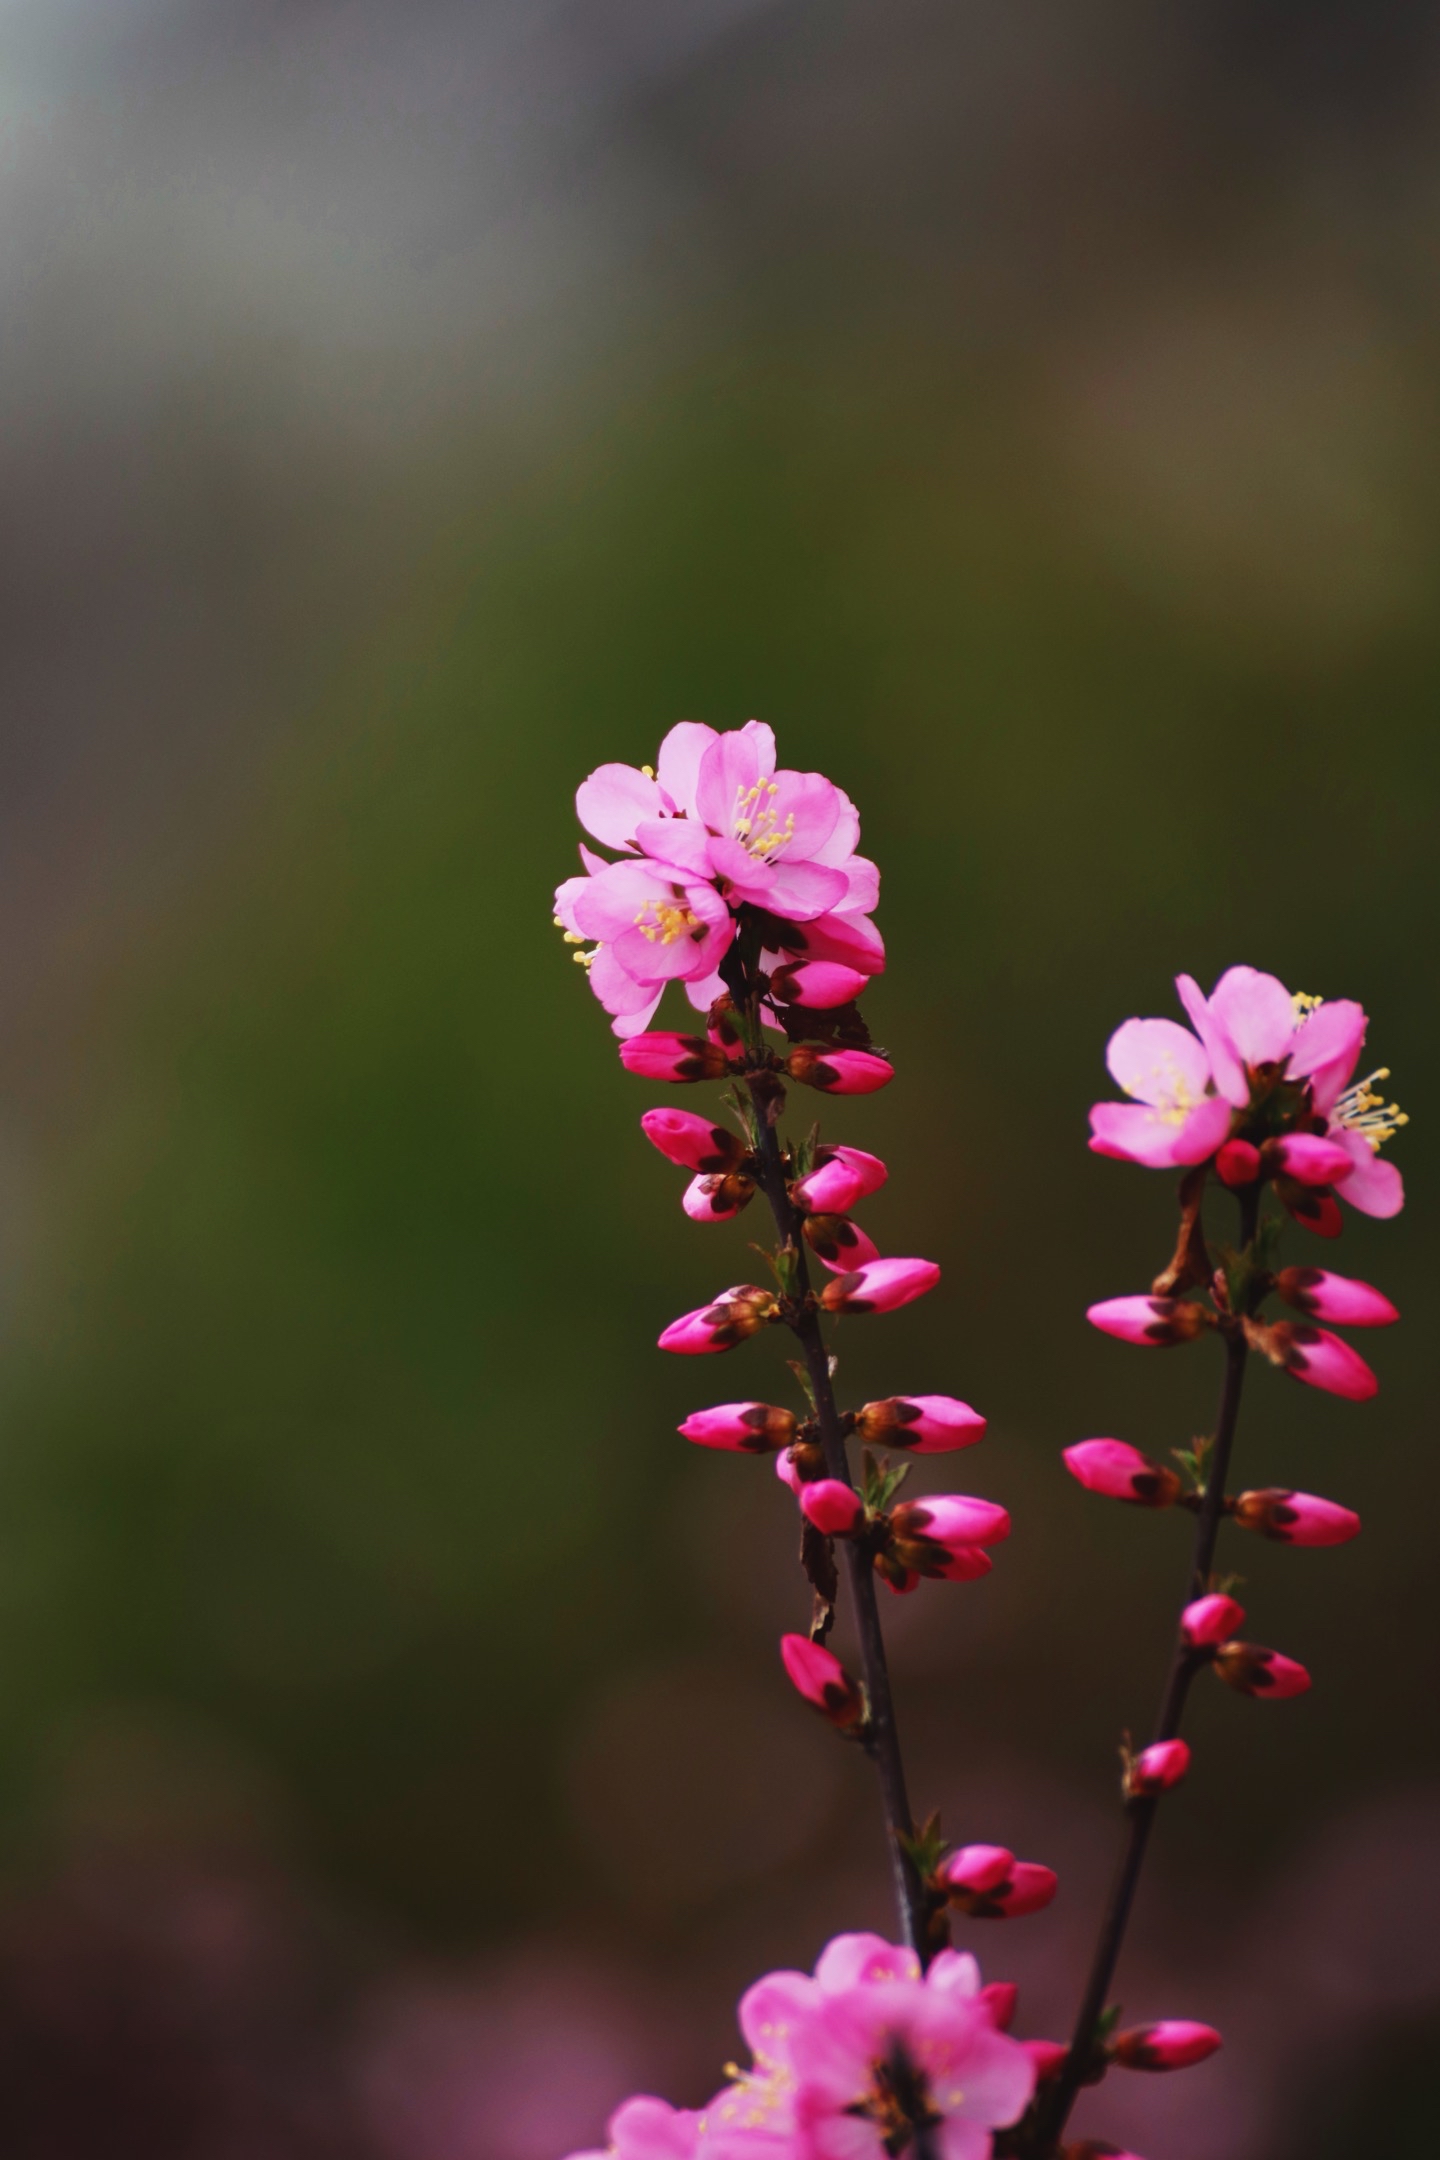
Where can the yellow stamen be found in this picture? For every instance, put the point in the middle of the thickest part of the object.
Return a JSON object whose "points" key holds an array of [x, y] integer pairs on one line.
{"points": [[672, 920], [1361, 1110]]}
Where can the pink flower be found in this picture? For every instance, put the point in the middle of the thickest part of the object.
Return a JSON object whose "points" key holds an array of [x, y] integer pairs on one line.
{"points": [[746, 1428], [925, 1424], [1120, 1472], [1296, 1518], [1317, 1357], [1173, 1118], [717, 1199], [1207, 1621], [734, 1315], [1157, 1769], [880, 1286], [850, 2065], [691, 1142], [818, 985], [1160, 1321], [832, 1506], [1253, 1671], [839, 1243], [664, 1056], [840, 1072], [841, 1176], [1169, 2044], [1335, 1297], [989, 1883], [817, 1674], [646, 2129]]}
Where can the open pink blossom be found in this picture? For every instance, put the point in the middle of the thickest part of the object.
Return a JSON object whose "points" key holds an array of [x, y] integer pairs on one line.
{"points": [[659, 925], [745, 1428], [925, 1424], [841, 1176], [1118, 1471], [1335, 1297], [1296, 1518], [1174, 1116], [880, 1286]]}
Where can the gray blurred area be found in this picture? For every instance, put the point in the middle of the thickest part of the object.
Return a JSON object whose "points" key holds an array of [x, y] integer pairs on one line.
{"points": [[404, 408]]}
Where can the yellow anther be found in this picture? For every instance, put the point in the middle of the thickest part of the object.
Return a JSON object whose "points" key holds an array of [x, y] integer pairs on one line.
{"points": [[649, 771], [1304, 1003], [1361, 1110]]}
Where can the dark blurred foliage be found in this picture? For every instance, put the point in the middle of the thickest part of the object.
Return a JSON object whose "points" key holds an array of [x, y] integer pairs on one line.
{"points": [[1034, 419]]}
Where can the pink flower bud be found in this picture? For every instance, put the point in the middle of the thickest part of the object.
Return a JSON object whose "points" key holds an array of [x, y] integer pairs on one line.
{"points": [[823, 1681], [734, 1315], [746, 1428], [1157, 1769], [926, 1424], [840, 1072], [817, 984], [842, 1175], [1318, 1358], [1120, 1472], [1335, 1297], [709, 1198], [1316, 1209], [832, 1506], [1210, 1620], [951, 1520], [880, 1286], [1253, 1671], [1296, 1518], [1000, 1998], [1309, 1159], [1096, 2149], [722, 1029], [989, 1883], [839, 1243], [1151, 1320], [1048, 2056], [1169, 2044], [1238, 1163], [694, 1143], [663, 1056]]}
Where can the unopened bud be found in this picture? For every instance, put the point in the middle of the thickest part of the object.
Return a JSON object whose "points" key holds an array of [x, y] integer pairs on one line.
{"points": [[1169, 2044], [1296, 1518], [819, 985], [1308, 1158], [1120, 1472], [834, 1507], [989, 1883], [819, 1676], [1000, 1997], [745, 1428], [950, 1520], [841, 1176], [839, 1072], [1049, 2058], [1253, 1671], [711, 1199], [880, 1286], [734, 1315], [1157, 1769], [839, 1243], [1210, 1620], [1238, 1164], [926, 1424], [722, 1028], [1335, 1297], [663, 1056], [691, 1142], [1314, 1355], [1158, 1321]]}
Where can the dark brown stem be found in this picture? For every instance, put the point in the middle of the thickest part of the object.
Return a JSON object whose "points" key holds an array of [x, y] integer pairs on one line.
{"points": [[1056, 2106], [910, 1898]]}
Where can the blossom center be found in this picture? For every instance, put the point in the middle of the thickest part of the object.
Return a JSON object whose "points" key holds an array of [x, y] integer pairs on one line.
{"points": [[898, 2103], [1174, 1097], [1360, 1109], [663, 921], [755, 822]]}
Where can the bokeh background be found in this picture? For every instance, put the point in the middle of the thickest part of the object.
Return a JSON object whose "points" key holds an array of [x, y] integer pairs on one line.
{"points": [[407, 405]]}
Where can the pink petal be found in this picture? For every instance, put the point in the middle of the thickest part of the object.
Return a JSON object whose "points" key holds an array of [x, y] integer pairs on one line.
{"points": [[801, 891], [678, 765], [852, 1960], [1225, 1062], [1157, 1139], [849, 938], [1326, 1047], [1158, 1061], [844, 838], [612, 802], [677, 840], [731, 765], [1256, 1013], [1374, 1185]]}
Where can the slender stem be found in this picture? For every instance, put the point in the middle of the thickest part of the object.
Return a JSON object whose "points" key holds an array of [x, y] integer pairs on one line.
{"points": [[910, 1898], [1055, 2111]]}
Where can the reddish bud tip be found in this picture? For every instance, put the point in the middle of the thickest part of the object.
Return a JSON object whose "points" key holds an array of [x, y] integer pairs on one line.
{"points": [[823, 1681], [1000, 1998], [1335, 1297], [1253, 1671], [1158, 1321], [1157, 1769], [926, 1424], [1210, 1620], [1296, 1518], [819, 985], [1120, 1472], [989, 1883], [663, 1056], [1238, 1163], [691, 1142], [832, 1506], [746, 1428], [839, 1072], [1169, 2044], [1048, 2056]]}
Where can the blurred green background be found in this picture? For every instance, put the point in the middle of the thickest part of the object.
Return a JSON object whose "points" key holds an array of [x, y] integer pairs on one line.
{"points": [[1037, 428]]}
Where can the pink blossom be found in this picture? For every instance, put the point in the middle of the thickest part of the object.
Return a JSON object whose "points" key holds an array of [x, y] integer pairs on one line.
{"points": [[1169, 2044], [839, 1243], [1253, 1671], [1335, 1297], [1296, 1518], [880, 1286], [925, 1424], [746, 1428], [832, 1506], [1120, 1472], [734, 1315], [818, 1675], [818, 985], [989, 1883], [665, 1056], [1157, 1769], [658, 925], [839, 1072], [711, 1199], [1160, 1321], [1318, 1358], [841, 1176], [1173, 1117], [691, 1142], [1207, 1621], [646, 2129]]}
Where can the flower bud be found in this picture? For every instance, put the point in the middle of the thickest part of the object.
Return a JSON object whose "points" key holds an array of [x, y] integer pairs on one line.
{"points": [[693, 1143], [1150, 1320], [839, 1243], [1169, 2044], [1335, 1297], [1238, 1163], [1253, 1671], [903, 1563], [817, 984], [745, 1428], [880, 1286], [842, 1175], [832, 1506], [1000, 1998], [709, 1198], [1308, 1158], [1210, 1620], [1296, 1518], [989, 1883], [1048, 2056], [951, 1520], [1096, 2149], [823, 1681], [1317, 1357], [1118, 1471], [1314, 1206], [926, 1424], [839, 1072], [1157, 1769], [663, 1056], [722, 1030], [734, 1315]]}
